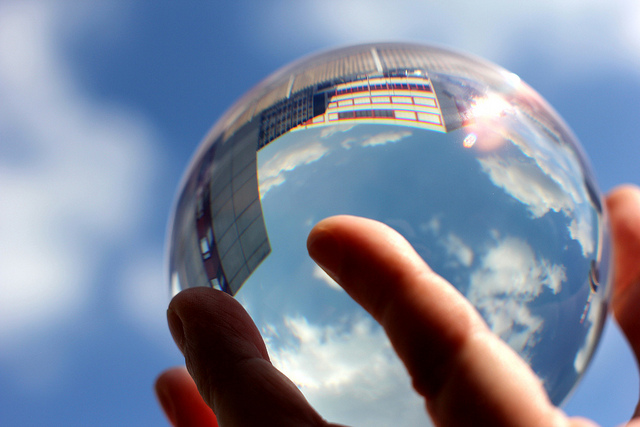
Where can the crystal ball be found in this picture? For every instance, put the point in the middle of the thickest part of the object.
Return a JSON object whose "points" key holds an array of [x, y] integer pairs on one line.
{"points": [[460, 156]]}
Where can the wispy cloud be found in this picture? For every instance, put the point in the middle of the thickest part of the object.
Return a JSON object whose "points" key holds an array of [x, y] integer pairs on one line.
{"points": [[272, 172], [385, 138], [381, 138], [73, 171], [329, 131], [526, 182], [599, 35], [458, 250], [352, 359], [144, 299], [509, 277], [544, 183]]}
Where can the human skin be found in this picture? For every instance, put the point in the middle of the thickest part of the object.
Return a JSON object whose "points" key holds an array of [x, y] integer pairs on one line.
{"points": [[466, 374]]}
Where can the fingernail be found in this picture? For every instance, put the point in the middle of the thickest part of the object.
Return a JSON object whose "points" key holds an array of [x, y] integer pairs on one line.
{"points": [[326, 251], [176, 329]]}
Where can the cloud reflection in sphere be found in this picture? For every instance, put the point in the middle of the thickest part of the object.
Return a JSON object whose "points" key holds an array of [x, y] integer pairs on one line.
{"points": [[462, 158]]}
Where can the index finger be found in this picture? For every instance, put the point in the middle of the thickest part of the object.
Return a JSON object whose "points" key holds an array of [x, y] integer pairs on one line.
{"points": [[466, 373]]}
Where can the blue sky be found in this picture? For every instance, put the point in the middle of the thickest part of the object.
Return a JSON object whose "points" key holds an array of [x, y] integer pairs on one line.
{"points": [[524, 271], [102, 104]]}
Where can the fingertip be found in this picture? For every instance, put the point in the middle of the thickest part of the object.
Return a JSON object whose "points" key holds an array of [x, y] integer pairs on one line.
{"points": [[325, 231], [181, 401], [582, 422], [324, 247], [623, 204], [203, 315], [625, 191], [162, 391]]}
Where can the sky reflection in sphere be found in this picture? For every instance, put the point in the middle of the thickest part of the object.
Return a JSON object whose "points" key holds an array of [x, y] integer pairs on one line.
{"points": [[461, 157]]}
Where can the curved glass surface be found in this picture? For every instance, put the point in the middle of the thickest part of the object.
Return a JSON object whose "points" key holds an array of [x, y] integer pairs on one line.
{"points": [[460, 156]]}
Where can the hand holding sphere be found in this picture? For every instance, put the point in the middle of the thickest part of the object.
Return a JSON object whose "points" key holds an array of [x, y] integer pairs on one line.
{"points": [[468, 163]]}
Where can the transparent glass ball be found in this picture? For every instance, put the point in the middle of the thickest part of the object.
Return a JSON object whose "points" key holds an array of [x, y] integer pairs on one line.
{"points": [[460, 156]]}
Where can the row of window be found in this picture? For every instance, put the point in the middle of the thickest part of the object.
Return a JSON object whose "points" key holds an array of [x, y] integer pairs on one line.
{"points": [[365, 100], [365, 113], [424, 87]]}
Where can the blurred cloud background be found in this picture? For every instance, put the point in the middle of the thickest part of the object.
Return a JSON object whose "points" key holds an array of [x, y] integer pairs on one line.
{"points": [[102, 104]]}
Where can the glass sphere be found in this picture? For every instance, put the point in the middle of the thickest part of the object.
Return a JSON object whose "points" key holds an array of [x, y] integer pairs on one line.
{"points": [[461, 157]]}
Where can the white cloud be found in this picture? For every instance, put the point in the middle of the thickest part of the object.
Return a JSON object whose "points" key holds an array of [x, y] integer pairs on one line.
{"points": [[592, 318], [348, 143], [581, 35], [629, 32], [347, 372], [432, 226], [73, 170], [144, 294], [509, 277], [456, 248], [329, 131], [381, 138], [545, 180], [526, 182], [581, 230], [385, 138], [272, 172]]}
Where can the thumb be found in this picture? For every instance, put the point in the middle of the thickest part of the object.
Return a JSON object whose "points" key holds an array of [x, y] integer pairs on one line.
{"points": [[228, 361]]}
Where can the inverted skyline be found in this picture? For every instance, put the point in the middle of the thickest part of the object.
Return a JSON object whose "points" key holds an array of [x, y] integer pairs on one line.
{"points": [[366, 84]]}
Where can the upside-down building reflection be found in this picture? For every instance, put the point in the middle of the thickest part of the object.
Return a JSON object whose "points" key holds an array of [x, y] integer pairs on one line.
{"points": [[225, 238]]}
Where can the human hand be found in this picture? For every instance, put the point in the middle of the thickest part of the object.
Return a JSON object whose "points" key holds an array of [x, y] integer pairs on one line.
{"points": [[467, 375]]}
